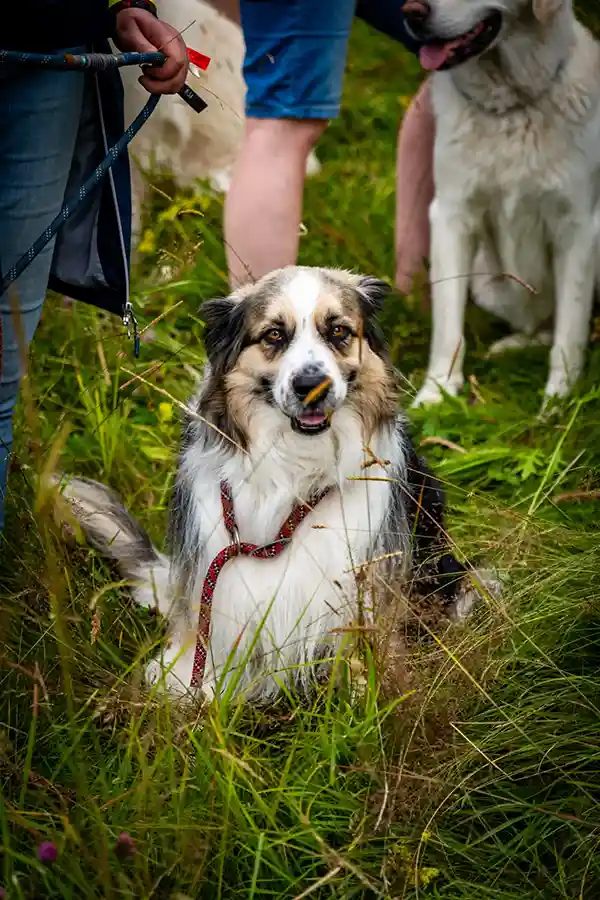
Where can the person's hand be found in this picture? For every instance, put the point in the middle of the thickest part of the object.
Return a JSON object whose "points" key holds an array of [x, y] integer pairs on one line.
{"points": [[138, 31], [411, 268], [415, 282]]}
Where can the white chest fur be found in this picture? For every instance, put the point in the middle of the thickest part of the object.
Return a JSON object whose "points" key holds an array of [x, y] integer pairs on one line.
{"points": [[280, 612]]}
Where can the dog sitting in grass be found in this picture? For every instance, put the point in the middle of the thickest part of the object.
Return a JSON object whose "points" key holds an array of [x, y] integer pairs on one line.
{"points": [[298, 493]]}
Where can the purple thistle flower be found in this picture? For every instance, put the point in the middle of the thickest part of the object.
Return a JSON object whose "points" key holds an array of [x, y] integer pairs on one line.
{"points": [[125, 845], [2, 893], [47, 853]]}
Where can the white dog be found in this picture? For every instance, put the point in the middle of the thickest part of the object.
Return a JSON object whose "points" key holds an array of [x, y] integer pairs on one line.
{"points": [[194, 146], [297, 411], [516, 96]]}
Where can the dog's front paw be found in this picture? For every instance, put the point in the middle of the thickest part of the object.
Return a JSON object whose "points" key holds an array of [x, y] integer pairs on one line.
{"points": [[220, 180], [313, 164], [520, 341], [434, 389], [476, 586], [172, 672], [557, 387], [160, 673]]}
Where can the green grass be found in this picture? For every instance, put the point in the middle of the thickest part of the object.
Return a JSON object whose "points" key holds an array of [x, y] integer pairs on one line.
{"points": [[469, 768]]}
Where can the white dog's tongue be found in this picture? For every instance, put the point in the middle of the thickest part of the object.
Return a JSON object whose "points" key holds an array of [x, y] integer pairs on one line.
{"points": [[432, 56]]}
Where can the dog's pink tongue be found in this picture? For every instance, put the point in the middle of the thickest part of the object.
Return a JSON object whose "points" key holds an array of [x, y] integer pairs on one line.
{"points": [[312, 418], [433, 56]]}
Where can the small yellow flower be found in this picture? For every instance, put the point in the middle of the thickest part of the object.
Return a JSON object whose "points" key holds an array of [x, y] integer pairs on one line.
{"points": [[427, 875], [165, 411], [148, 242]]}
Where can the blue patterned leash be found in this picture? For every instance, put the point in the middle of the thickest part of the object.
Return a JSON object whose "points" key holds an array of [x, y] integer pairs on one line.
{"points": [[96, 62]]}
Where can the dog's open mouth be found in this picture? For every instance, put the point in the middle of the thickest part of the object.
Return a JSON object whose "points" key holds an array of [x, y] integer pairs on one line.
{"points": [[312, 421], [437, 56], [315, 418]]}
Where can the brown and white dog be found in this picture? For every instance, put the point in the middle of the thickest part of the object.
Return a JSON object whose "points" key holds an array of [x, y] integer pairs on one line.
{"points": [[298, 401]]}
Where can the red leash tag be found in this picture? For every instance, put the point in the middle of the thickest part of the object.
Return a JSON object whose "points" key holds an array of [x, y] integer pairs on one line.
{"points": [[198, 59]]}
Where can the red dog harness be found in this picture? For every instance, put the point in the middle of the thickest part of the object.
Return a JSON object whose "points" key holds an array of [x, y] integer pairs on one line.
{"points": [[239, 548]]}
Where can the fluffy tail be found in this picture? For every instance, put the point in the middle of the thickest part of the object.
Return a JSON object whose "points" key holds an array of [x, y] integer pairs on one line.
{"points": [[112, 530]]}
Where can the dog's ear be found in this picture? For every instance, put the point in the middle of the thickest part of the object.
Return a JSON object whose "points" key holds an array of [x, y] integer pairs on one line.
{"points": [[224, 332], [371, 297], [544, 10]]}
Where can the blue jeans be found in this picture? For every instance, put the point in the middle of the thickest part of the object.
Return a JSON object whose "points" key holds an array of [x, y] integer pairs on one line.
{"points": [[39, 119]]}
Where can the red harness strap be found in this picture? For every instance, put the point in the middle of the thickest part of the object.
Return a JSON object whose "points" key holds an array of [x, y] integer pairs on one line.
{"points": [[239, 548]]}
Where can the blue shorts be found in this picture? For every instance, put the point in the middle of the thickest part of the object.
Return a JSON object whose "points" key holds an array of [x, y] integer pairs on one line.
{"points": [[296, 52]]}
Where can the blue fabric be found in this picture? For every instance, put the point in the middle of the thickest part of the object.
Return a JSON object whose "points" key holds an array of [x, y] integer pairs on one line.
{"points": [[39, 118], [54, 128], [296, 52]]}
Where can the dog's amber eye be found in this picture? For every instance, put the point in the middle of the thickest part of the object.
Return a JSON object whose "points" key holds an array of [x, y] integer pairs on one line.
{"points": [[274, 336], [339, 333]]}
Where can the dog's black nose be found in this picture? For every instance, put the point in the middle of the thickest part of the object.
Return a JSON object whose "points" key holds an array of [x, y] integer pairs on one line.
{"points": [[310, 385], [416, 14]]}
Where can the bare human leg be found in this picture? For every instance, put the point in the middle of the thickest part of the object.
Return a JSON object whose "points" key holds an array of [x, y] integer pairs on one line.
{"points": [[263, 208], [414, 188]]}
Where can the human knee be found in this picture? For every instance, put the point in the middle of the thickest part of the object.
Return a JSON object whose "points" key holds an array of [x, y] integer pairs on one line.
{"points": [[298, 136]]}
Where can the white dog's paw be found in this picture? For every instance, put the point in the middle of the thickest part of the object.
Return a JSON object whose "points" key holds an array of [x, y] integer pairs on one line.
{"points": [[558, 386], [153, 673], [429, 395], [313, 164], [520, 341], [166, 273], [173, 672], [160, 672], [433, 391], [463, 605], [476, 586], [220, 180]]}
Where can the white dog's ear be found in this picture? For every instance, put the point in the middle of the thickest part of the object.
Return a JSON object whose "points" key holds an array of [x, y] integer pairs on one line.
{"points": [[544, 10]]}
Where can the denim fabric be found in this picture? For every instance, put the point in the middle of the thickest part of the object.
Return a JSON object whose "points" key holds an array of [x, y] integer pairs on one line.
{"points": [[39, 119], [295, 56], [296, 52]]}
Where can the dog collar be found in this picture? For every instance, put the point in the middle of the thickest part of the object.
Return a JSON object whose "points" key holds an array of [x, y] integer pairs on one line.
{"points": [[239, 548]]}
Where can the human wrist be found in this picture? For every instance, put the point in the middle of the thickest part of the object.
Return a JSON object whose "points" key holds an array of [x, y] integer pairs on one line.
{"points": [[130, 22], [118, 6]]}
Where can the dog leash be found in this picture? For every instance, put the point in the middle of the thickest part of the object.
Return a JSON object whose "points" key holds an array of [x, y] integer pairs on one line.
{"points": [[98, 62], [239, 548]]}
